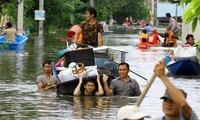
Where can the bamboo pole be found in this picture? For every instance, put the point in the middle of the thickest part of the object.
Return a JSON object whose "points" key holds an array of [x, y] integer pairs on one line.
{"points": [[141, 97]]}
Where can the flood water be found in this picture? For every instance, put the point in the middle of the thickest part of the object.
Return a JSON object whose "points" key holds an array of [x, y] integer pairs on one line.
{"points": [[20, 100]]}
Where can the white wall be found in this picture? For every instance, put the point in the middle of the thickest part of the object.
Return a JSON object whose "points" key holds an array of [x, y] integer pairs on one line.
{"points": [[187, 29]]}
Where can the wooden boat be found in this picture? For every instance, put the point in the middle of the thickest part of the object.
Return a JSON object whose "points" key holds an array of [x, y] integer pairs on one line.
{"points": [[19, 43], [186, 63], [97, 56]]}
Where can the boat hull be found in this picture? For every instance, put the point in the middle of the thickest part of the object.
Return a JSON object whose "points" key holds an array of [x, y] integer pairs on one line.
{"points": [[184, 67], [19, 43], [104, 62]]}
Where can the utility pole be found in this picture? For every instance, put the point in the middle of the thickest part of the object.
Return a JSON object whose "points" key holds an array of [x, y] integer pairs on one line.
{"points": [[92, 3], [20, 16], [177, 2], [40, 15], [154, 12], [41, 7]]}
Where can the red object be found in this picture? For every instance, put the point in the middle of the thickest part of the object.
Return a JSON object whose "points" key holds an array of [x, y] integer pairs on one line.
{"points": [[142, 45], [153, 39], [73, 31], [58, 64], [63, 40], [71, 34]]}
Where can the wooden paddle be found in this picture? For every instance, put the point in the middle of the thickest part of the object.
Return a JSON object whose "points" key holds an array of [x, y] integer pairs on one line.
{"points": [[141, 97]]}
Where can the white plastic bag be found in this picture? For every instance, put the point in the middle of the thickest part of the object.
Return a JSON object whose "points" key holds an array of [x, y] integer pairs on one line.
{"points": [[67, 75]]}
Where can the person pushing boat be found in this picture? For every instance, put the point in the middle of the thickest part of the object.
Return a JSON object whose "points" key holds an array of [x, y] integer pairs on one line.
{"points": [[89, 87], [46, 81], [122, 85]]}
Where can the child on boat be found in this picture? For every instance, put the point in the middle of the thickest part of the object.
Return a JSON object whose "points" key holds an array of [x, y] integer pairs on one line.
{"points": [[170, 58], [142, 44], [62, 61], [144, 36], [168, 41]]}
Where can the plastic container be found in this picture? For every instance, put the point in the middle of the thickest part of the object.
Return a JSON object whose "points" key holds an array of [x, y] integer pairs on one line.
{"points": [[85, 56], [73, 31], [19, 43]]}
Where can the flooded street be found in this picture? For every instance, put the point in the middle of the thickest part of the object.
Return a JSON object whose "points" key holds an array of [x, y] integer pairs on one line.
{"points": [[20, 99]]}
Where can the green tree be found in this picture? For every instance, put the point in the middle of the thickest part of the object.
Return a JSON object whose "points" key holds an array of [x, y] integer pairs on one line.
{"points": [[9, 8], [121, 9], [191, 14], [62, 14], [133, 8]]}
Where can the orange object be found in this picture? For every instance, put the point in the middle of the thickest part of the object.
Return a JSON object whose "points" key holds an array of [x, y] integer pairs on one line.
{"points": [[142, 45], [80, 37]]}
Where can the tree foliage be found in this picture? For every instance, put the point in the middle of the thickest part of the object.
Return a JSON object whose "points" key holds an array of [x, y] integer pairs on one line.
{"points": [[136, 9], [61, 14], [192, 13]]}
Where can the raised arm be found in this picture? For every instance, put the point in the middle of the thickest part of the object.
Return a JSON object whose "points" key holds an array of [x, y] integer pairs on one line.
{"points": [[107, 90], [77, 91], [100, 89], [175, 93]]}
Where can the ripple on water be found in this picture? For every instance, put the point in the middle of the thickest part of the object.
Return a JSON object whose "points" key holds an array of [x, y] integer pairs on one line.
{"points": [[20, 99]]}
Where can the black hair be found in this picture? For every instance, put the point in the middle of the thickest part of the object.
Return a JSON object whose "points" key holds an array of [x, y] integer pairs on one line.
{"points": [[175, 37], [168, 15], [47, 62], [144, 40], [9, 24], [82, 46], [124, 63], [144, 31], [90, 81], [189, 36], [93, 11], [166, 34]]}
